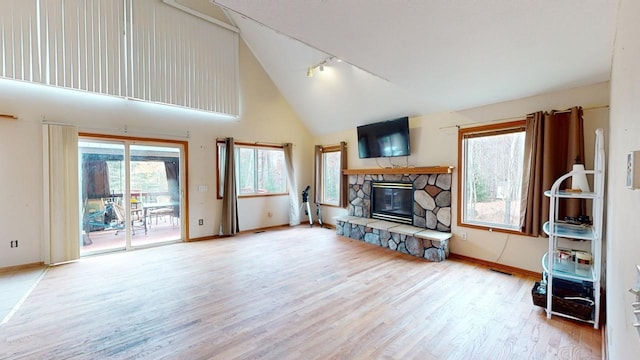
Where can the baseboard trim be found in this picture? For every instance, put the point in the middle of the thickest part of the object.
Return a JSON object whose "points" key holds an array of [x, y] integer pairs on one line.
{"points": [[266, 228], [203, 238], [324, 226], [21, 267], [500, 267], [213, 237]]}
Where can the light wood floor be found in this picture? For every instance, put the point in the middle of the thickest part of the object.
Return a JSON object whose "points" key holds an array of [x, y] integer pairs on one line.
{"points": [[14, 286], [297, 293]]}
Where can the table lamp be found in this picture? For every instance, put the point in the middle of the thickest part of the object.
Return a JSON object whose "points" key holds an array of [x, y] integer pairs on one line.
{"points": [[579, 181]]}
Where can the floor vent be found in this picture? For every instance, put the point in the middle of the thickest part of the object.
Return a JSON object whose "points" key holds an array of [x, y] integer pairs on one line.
{"points": [[501, 272]]}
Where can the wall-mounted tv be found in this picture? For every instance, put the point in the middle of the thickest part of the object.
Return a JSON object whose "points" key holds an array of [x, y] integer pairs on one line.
{"points": [[384, 139]]}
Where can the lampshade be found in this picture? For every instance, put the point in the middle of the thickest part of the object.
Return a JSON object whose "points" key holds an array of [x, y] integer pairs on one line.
{"points": [[579, 181]]}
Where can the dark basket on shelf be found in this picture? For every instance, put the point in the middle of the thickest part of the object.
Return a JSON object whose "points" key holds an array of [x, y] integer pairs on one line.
{"points": [[581, 309]]}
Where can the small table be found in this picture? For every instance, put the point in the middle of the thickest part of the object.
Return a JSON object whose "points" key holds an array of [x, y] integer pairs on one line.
{"points": [[150, 206]]}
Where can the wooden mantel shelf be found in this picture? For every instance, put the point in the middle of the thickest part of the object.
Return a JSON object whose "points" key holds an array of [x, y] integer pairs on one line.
{"points": [[402, 170]]}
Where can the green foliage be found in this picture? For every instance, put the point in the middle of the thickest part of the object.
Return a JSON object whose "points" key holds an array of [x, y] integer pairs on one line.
{"points": [[482, 190]]}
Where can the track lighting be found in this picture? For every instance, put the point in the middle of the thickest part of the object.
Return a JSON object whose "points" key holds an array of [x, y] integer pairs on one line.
{"points": [[319, 66]]}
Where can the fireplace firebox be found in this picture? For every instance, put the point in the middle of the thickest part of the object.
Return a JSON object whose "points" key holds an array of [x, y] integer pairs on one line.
{"points": [[392, 201]]}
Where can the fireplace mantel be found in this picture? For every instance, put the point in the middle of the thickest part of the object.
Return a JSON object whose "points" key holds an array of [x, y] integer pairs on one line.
{"points": [[401, 170]]}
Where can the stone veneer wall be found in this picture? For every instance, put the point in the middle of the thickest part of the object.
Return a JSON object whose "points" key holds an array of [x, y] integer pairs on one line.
{"points": [[431, 198]]}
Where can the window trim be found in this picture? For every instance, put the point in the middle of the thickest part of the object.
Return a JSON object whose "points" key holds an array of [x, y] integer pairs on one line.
{"points": [[477, 131], [320, 150], [245, 144]]}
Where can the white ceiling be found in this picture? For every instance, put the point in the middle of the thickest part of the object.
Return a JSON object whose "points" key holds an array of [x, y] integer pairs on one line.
{"points": [[418, 57]]}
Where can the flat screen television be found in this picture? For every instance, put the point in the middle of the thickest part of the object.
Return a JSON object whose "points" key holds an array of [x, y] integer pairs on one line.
{"points": [[384, 139]]}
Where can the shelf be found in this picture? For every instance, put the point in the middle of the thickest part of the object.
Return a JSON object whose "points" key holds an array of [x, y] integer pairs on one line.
{"points": [[401, 170], [568, 269], [571, 194], [590, 321], [565, 269], [570, 231]]}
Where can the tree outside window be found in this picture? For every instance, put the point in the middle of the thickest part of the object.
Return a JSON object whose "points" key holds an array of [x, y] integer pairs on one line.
{"points": [[491, 165], [329, 180], [260, 169], [331, 175]]}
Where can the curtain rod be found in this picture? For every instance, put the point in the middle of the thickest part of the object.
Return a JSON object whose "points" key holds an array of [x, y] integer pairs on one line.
{"points": [[255, 142], [516, 118], [8, 116], [126, 130]]}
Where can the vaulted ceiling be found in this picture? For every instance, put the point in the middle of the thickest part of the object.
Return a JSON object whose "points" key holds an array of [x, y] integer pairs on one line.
{"points": [[416, 57]]}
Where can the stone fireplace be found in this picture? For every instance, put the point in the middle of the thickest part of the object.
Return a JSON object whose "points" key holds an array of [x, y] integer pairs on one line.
{"points": [[392, 200], [431, 197], [401, 209]]}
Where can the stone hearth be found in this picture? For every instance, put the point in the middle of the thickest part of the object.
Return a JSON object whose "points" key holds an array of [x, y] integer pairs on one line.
{"points": [[429, 236], [428, 244]]}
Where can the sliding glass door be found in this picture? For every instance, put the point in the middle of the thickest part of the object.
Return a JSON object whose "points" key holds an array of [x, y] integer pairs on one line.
{"points": [[155, 194], [131, 193], [102, 179]]}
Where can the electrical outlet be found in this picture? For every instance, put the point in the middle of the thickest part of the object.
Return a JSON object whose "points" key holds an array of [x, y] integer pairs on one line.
{"points": [[463, 236], [201, 222], [14, 243]]}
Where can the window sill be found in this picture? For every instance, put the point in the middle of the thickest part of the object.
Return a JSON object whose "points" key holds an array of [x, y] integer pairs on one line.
{"points": [[491, 229], [330, 205], [261, 195]]}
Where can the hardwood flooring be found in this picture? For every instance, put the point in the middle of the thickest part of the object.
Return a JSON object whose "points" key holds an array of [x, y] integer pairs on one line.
{"points": [[291, 293], [15, 285]]}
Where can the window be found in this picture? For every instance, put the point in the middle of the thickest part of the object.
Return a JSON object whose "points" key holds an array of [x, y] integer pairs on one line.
{"points": [[491, 160], [329, 181], [260, 169]]}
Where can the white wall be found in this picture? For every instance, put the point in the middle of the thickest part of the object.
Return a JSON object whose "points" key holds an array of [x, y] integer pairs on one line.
{"points": [[623, 216], [265, 117], [434, 141], [20, 188]]}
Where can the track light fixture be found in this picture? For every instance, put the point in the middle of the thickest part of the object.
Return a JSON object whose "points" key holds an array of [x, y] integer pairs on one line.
{"points": [[319, 66]]}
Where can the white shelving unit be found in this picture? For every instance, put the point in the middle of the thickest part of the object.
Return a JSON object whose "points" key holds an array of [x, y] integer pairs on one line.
{"points": [[553, 265]]}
